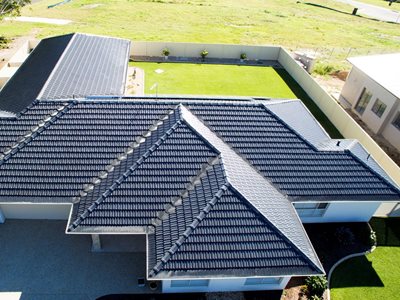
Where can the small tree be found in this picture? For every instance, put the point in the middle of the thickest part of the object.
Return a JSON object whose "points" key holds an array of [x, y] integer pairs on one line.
{"points": [[165, 52], [12, 7], [316, 285]]}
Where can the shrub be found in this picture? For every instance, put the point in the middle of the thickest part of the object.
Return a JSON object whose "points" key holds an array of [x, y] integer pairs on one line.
{"points": [[344, 236], [243, 55], [3, 42], [316, 285], [165, 52], [203, 54], [372, 238], [324, 69]]}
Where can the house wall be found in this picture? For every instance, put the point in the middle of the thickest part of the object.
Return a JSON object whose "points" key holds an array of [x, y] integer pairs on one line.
{"points": [[388, 210], [355, 83], [36, 211], [345, 212], [224, 285], [391, 133]]}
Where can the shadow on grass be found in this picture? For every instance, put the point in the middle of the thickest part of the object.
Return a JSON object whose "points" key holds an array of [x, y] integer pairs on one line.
{"points": [[345, 12], [313, 108], [387, 231], [356, 272]]}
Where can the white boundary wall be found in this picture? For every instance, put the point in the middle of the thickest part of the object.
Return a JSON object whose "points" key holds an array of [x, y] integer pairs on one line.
{"points": [[214, 50]]}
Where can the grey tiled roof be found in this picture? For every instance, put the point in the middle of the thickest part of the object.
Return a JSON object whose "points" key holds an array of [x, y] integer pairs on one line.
{"points": [[200, 177], [73, 65]]}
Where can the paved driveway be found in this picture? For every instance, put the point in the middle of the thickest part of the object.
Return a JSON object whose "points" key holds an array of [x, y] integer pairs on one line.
{"points": [[38, 261], [376, 12]]}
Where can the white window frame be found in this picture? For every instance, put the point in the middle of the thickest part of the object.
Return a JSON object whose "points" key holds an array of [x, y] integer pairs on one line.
{"points": [[377, 107], [363, 101], [396, 121], [190, 283], [311, 209]]}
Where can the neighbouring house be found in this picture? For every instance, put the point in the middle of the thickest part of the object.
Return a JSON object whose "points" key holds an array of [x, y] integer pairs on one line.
{"points": [[372, 89], [219, 187]]}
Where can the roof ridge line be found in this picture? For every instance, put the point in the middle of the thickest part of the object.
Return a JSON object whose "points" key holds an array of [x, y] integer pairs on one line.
{"points": [[57, 65], [170, 208], [189, 229], [31, 134], [89, 187], [232, 162]]}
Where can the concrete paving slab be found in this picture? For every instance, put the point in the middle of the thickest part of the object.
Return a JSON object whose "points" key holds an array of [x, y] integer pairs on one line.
{"points": [[38, 260]]}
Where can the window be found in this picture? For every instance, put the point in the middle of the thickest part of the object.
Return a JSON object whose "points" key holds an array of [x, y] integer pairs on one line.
{"points": [[396, 121], [311, 209], [270, 280], [188, 283], [379, 108], [363, 101]]}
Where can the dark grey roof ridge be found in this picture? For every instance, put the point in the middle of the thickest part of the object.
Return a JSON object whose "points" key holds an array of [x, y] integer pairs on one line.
{"points": [[189, 229], [196, 180]]}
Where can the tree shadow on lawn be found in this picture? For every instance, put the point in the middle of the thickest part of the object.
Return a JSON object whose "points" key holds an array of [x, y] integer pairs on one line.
{"points": [[309, 103], [356, 272], [387, 231]]}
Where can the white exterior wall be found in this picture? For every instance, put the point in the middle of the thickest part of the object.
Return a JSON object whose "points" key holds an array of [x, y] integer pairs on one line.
{"points": [[224, 285], [345, 212], [35, 211], [391, 133], [355, 83]]}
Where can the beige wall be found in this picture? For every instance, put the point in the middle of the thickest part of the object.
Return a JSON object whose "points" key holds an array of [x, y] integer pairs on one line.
{"points": [[214, 50], [337, 115], [355, 83]]}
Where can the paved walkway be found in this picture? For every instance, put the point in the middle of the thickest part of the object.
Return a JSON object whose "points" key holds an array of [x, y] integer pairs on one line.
{"points": [[376, 12], [38, 261]]}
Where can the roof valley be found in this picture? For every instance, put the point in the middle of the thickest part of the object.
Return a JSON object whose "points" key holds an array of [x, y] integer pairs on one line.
{"points": [[164, 124], [34, 132]]}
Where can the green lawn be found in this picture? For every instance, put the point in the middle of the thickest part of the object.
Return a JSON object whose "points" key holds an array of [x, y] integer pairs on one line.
{"points": [[314, 24], [375, 276], [205, 79]]}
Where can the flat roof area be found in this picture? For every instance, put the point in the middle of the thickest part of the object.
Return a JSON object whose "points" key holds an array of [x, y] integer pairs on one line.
{"points": [[384, 69]]}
